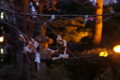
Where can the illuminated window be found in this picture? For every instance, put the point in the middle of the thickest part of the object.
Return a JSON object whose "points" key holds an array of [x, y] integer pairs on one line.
{"points": [[1, 50], [2, 15]]}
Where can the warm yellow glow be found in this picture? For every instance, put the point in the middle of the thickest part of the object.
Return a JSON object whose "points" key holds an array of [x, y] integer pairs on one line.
{"points": [[1, 27], [1, 39], [106, 54], [1, 50], [1, 60], [117, 48], [103, 54]]}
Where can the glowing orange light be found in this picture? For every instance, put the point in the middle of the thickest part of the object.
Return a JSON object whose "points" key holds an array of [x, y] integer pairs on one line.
{"points": [[1, 39], [103, 54], [106, 54], [117, 48]]}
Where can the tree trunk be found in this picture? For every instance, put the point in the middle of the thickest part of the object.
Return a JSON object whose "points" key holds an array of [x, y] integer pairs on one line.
{"points": [[98, 23], [29, 58]]}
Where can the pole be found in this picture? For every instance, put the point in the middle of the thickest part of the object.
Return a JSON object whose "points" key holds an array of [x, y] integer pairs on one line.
{"points": [[98, 23]]}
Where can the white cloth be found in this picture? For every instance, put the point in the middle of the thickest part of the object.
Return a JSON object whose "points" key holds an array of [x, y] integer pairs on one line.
{"points": [[26, 49], [86, 19], [37, 57], [61, 56], [52, 17], [36, 44], [21, 37]]}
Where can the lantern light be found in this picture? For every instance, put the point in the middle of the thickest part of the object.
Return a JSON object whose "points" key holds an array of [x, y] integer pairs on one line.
{"points": [[117, 48], [103, 54]]}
